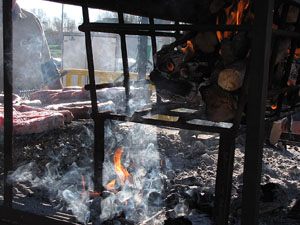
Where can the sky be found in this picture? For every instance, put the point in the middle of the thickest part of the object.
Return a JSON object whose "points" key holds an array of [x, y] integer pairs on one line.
{"points": [[53, 9]]}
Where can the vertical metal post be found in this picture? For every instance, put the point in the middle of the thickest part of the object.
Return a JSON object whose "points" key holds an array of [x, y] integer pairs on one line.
{"points": [[98, 124], [124, 59], [142, 53], [154, 50], [8, 88], [153, 39], [259, 69], [90, 61], [224, 178], [98, 153]]}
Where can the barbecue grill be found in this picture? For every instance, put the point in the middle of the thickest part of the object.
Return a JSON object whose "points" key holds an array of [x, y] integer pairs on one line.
{"points": [[258, 70]]}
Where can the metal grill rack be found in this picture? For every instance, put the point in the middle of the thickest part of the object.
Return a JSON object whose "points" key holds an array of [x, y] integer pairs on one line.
{"points": [[258, 70]]}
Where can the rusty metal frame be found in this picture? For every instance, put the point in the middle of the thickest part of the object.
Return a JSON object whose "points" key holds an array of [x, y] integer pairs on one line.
{"points": [[227, 138]]}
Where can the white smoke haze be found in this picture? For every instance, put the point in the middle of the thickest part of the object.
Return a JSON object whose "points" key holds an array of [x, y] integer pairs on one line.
{"points": [[66, 188], [137, 199], [62, 183], [140, 197]]}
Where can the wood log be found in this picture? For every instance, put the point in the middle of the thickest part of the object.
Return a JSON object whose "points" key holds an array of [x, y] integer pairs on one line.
{"points": [[231, 78], [292, 15], [216, 5], [206, 41], [220, 105], [236, 48]]}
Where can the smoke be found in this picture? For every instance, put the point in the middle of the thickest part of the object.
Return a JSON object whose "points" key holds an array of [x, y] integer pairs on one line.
{"points": [[141, 196], [63, 183]]}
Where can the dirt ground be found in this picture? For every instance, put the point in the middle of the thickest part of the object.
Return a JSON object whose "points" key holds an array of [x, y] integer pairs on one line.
{"points": [[187, 170]]}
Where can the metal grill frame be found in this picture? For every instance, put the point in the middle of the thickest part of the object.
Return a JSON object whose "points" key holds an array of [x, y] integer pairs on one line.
{"points": [[258, 72]]}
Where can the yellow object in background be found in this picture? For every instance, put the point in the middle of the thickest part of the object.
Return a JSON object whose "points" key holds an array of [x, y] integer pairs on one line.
{"points": [[79, 77]]}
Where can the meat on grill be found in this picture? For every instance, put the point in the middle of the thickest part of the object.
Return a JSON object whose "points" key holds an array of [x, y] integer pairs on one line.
{"points": [[68, 116], [30, 122], [60, 96]]}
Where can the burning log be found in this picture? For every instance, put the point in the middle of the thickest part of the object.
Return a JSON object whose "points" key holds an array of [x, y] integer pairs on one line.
{"points": [[220, 105], [231, 78]]}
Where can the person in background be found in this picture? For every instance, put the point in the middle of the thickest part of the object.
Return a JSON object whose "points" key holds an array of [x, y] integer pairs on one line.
{"points": [[33, 66]]}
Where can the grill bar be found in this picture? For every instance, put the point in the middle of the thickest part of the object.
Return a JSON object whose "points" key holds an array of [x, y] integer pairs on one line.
{"points": [[26, 218], [119, 28], [180, 123], [124, 59], [8, 105]]}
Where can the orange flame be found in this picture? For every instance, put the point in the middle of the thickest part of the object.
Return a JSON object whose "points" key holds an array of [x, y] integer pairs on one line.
{"points": [[189, 47], [111, 185], [188, 50], [83, 183], [291, 83], [122, 173], [219, 33], [233, 17], [297, 53], [83, 194], [170, 66], [273, 107]]}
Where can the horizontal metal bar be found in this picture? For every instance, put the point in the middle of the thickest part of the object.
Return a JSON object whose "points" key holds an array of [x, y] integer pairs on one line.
{"points": [[161, 27], [182, 124], [283, 33], [14, 216], [290, 137], [116, 84]]}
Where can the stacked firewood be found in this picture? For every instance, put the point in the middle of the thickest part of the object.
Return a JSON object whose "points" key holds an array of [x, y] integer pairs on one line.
{"points": [[211, 66]]}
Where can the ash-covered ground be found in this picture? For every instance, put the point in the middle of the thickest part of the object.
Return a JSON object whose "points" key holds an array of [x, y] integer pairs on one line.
{"points": [[50, 167]]}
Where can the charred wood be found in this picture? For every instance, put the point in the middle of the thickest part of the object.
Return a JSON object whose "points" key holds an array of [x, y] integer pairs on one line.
{"points": [[206, 41], [236, 48], [220, 105]]}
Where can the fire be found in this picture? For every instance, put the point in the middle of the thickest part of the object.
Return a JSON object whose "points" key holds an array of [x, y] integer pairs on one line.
{"points": [[219, 33], [273, 107], [291, 83], [111, 185], [83, 183], [122, 173], [170, 66], [188, 50], [233, 17], [83, 194], [297, 53], [189, 47]]}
